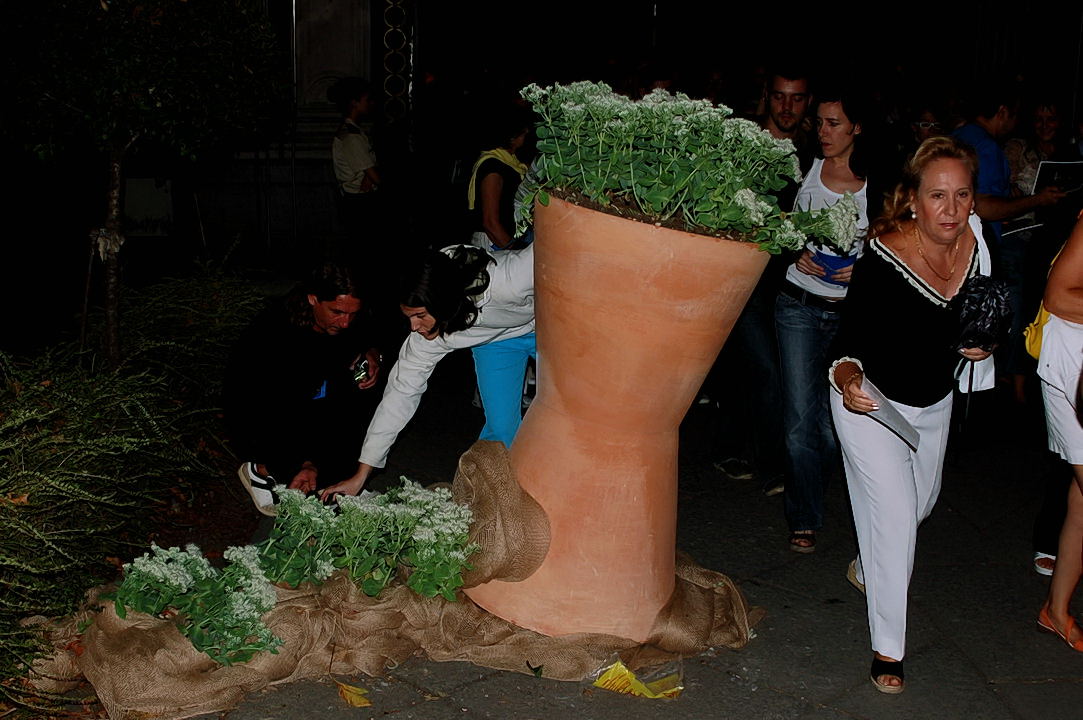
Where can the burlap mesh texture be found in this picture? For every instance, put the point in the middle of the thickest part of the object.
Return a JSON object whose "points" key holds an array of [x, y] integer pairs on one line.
{"points": [[143, 666], [509, 525]]}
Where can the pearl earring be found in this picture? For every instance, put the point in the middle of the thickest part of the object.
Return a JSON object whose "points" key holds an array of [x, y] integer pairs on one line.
{"points": [[913, 215]]}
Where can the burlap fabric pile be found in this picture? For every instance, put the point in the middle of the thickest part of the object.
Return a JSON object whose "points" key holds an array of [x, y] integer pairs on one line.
{"points": [[142, 666]]}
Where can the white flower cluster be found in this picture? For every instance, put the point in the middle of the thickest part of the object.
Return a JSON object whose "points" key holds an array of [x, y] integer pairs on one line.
{"points": [[178, 569], [756, 208], [221, 611], [841, 219], [310, 513], [252, 595], [789, 235]]}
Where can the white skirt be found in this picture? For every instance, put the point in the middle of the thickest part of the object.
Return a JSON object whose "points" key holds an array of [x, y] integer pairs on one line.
{"points": [[1059, 367]]}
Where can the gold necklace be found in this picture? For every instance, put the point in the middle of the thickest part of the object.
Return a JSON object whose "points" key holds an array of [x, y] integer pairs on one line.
{"points": [[954, 256]]}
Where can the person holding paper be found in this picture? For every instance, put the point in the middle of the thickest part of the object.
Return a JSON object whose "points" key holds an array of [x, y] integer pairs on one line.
{"points": [[899, 330], [1039, 233]]}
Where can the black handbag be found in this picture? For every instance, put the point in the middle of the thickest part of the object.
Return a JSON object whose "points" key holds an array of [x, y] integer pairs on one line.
{"points": [[984, 313]]}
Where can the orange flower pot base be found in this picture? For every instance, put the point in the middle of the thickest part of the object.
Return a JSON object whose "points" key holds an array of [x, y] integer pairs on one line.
{"points": [[630, 318]]}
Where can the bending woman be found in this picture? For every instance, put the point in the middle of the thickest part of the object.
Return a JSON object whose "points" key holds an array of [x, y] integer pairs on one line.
{"points": [[899, 329], [1060, 366], [457, 298]]}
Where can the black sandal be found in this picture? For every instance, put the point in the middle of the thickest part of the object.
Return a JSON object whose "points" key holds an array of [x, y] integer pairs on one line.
{"points": [[890, 668]]}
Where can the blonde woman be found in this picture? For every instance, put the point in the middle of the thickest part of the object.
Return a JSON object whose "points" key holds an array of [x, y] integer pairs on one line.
{"points": [[898, 331]]}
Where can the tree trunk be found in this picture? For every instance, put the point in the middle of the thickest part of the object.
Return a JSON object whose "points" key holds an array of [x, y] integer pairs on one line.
{"points": [[109, 247]]}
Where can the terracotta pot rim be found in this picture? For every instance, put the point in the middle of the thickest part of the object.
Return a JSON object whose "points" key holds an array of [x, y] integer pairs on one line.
{"points": [[580, 201]]}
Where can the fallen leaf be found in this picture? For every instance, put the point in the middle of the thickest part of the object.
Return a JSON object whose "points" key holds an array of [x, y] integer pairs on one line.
{"points": [[18, 499], [75, 647], [353, 695]]}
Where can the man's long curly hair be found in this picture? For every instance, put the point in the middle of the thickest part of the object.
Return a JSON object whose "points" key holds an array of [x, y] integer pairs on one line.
{"points": [[326, 282]]}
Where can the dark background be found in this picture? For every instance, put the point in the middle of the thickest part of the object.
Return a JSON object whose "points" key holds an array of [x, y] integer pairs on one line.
{"points": [[466, 54]]}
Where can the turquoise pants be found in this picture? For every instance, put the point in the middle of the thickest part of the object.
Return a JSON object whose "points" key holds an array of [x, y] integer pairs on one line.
{"points": [[501, 368]]}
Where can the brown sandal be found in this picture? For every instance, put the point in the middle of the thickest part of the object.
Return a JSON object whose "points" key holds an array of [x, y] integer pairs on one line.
{"points": [[803, 541]]}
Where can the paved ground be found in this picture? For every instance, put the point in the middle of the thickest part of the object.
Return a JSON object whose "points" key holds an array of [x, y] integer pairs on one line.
{"points": [[973, 648]]}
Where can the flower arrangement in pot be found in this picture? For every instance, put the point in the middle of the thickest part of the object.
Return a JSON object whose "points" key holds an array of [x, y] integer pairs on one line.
{"points": [[673, 161], [653, 221]]}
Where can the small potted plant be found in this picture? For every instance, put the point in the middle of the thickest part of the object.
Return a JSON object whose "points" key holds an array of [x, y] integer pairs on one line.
{"points": [[653, 222]]}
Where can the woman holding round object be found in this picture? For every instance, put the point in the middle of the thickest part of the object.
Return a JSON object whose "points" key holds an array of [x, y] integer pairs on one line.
{"points": [[457, 298], [1060, 367], [900, 331]]}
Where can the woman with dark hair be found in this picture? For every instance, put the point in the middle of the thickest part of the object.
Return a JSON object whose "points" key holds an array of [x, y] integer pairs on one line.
{"points": [[460, 297], [899, 329], [807, 313]]}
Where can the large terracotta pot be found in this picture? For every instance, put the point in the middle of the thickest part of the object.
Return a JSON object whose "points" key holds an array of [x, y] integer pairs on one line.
{"points": [[630, 318]]}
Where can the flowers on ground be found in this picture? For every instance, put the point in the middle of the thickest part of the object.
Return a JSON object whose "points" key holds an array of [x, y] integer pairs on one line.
{"points": [[420, 530]]}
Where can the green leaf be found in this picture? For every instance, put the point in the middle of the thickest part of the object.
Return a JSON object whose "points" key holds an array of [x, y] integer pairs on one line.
{"points": [[372, 587]]}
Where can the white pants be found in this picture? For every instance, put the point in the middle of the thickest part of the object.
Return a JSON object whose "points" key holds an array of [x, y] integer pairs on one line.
{"points": [[892, 489]]}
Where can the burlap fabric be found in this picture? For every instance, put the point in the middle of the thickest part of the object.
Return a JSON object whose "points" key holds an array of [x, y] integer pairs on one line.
{"points": [[143, 667]]}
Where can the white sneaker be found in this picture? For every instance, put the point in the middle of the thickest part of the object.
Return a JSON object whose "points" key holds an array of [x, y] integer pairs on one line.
{"points": [[260, 487]]}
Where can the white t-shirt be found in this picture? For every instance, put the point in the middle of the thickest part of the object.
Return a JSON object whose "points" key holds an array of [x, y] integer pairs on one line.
{"points": [[814, 195], [351, 153]]}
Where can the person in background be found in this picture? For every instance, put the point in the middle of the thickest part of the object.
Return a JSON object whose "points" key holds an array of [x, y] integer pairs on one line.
{"points": [[353, 158], [807, 312], [993, 116], [1042, 230], [751, 350], [495, 178]]}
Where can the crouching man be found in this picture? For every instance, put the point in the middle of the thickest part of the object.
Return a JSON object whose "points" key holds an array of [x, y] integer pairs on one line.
{"points": [[299, 388]]}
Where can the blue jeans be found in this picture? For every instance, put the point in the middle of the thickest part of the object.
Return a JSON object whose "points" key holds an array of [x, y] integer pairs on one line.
{"points": [[749, 413], [805, 333], [501, 369]]}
